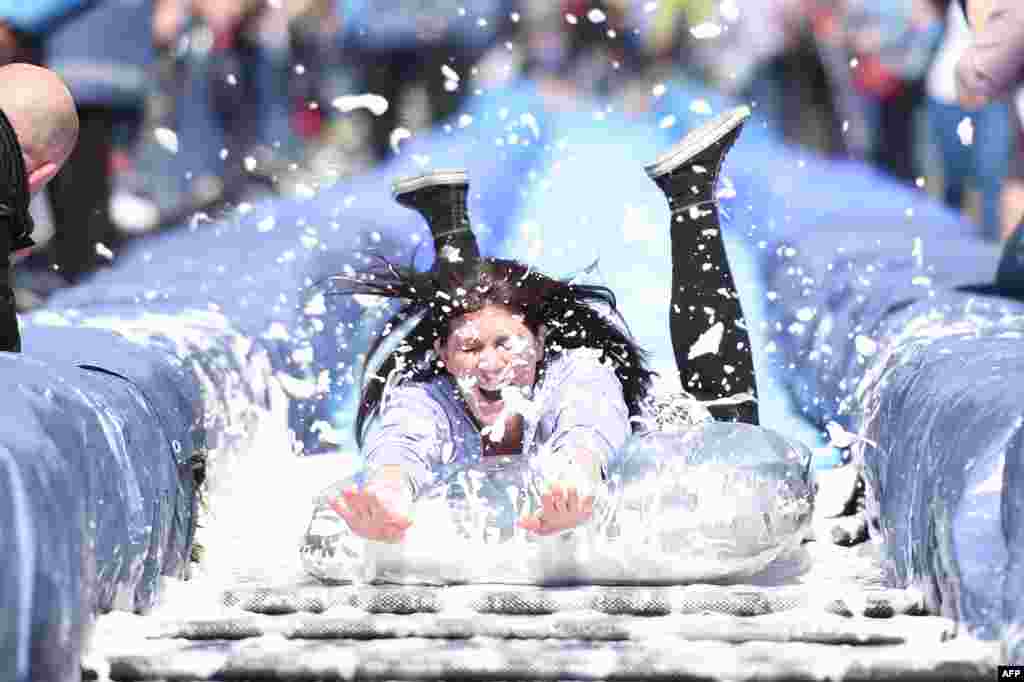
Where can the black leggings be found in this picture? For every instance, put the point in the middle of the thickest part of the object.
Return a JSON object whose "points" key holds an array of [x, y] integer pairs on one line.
{"points": [[704, 295]]}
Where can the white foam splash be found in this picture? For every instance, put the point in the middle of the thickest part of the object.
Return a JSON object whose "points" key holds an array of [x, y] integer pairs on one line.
{"points": [[708, 342], [806, 314], [104, 252], [530, 121], [515, 401], [865, 345], [450, 73], [701, 106], [167, 138], [375, 104], [397, 136], [451, 254], [730, 11], [917, 252], [841, 438], [965, 131], [706, 31]]}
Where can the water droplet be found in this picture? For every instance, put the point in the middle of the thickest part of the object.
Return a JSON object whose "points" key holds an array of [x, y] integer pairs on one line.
{"points": [[167, 138]]}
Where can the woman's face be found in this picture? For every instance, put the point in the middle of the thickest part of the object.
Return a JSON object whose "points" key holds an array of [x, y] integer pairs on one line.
{"points": [[487, 350]]}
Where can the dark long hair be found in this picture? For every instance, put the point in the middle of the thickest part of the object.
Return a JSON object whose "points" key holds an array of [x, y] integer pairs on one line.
{"points": [[571, 314]]}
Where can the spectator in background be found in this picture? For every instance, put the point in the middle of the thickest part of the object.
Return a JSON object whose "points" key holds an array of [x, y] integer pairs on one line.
{"points": [[576, 50], [38, 130], [893, 43], [667, 35], [249, 68], [772, 60], [986, 157], [222, 85], [24, 22], [1012, 197], [401, 44], [106, 57], [991, 67]]}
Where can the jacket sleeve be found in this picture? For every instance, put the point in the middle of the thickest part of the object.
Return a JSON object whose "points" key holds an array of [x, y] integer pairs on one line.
{"points": [[994, 63], [591, 410], [410, 431], [39, 16]]}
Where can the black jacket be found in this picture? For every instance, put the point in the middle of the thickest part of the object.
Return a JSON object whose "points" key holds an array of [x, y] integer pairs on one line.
{"points": [[10, 338], [15, 227]]}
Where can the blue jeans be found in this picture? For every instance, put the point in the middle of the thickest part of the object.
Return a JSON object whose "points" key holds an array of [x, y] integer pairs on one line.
{"points": [[985, 162]]}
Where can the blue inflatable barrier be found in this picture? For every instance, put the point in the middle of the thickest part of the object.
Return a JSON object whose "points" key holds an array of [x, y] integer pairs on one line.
{"points": [[883, 309], [942, 403], [106, 424], [96, 505]]}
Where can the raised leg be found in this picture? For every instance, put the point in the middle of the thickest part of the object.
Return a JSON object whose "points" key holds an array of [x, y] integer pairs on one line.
{"points": [[441, 198], [709, 334]]}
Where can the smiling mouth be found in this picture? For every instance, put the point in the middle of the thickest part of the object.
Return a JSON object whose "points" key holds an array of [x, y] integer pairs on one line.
{"points": [[490, 396]]}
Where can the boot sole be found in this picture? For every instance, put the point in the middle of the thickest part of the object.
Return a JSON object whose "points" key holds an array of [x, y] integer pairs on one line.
{"points": [[434, 178], [697, 140]]}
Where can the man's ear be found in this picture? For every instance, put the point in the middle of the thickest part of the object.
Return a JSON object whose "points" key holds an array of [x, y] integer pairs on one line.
{"points": [[38, 178], [542, 334], [439, 350]]}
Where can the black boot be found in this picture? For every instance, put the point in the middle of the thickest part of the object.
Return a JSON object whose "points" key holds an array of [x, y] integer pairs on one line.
{"points": [[441, 198], [704, 298]]}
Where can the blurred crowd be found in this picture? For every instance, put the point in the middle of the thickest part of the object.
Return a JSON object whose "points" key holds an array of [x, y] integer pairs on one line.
{"points": [[194, 106]]}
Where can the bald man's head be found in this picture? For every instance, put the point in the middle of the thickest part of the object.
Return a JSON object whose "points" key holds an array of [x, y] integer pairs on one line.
{"points": [[42, 112]]}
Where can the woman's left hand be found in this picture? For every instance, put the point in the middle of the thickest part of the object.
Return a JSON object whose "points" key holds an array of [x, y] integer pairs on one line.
{"points": [[562, 508]]}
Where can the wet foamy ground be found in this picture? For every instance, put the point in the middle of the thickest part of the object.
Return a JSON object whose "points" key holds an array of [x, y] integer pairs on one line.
{"points": [[261, 509]]}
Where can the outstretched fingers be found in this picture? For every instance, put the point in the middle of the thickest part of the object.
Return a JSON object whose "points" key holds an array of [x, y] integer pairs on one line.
{"points": [[371, 515], [561, 509]]}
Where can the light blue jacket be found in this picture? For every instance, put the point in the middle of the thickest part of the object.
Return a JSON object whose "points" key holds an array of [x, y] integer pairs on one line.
{"points": [[424, 426], [39, 16]]}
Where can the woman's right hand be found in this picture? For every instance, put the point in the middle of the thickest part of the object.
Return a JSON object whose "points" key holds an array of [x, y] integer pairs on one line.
{"points": [[377, 512]]}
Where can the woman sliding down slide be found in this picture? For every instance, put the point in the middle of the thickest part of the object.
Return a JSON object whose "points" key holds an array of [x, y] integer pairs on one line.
{"points": [[488, 357]]}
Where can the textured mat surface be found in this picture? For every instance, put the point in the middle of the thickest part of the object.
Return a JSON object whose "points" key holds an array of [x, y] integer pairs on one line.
{"points": [[830, 620], [668, 653]]}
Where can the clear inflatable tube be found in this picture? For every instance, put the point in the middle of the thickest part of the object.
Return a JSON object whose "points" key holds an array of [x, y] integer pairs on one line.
{"points": [[718, 502]]}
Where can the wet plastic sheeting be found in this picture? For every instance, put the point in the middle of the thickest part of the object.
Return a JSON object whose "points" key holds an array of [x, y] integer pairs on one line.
{"points": [[943, 405], [94, 506]]}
